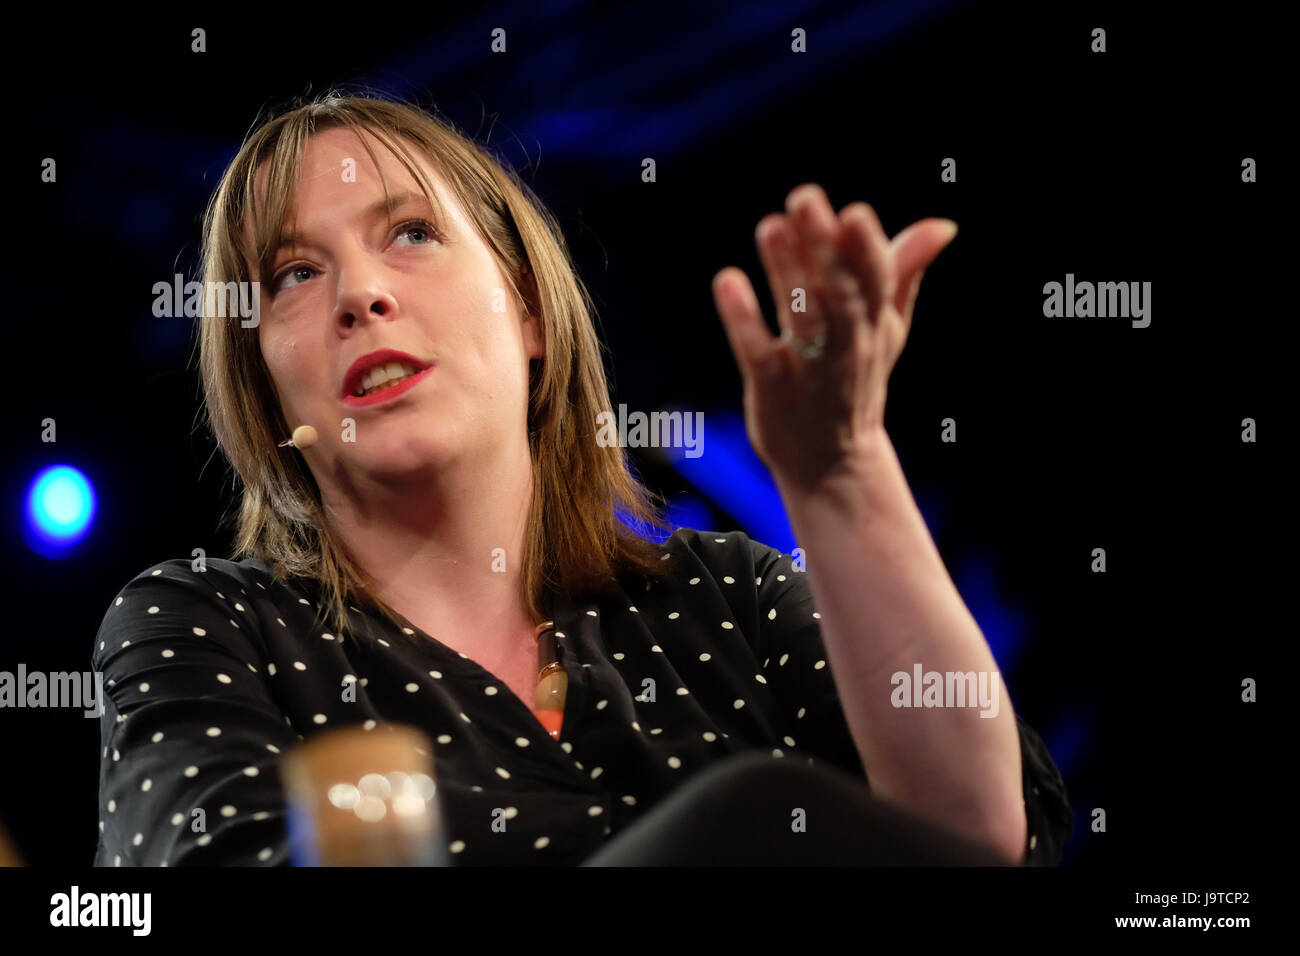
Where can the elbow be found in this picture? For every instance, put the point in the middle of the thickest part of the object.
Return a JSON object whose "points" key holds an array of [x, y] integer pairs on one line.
{"points": [[1007, 835]]}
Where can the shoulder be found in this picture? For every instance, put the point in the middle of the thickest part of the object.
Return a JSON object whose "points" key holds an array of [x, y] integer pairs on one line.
{"points": [[200, 577], [202, 596], [719, 547], [723, 554], [751, 576], [246, 572]]}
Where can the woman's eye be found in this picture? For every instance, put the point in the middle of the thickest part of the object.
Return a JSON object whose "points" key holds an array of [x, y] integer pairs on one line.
{"points": [[278, 284], [418, 226]]}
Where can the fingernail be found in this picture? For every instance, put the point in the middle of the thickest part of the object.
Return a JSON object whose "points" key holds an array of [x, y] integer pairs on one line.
{"points": [[951, 226], [802, 197]]}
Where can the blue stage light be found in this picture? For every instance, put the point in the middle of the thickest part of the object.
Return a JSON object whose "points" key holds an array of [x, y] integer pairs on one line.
{"points": [[60, 509], [681, 511], [734, 478]]}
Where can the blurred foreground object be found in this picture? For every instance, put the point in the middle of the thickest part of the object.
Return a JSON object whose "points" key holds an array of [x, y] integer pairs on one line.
{"points": [[8, 852], [364, 798]]}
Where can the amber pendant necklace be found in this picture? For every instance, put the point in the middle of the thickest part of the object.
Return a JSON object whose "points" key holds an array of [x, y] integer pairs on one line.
{"points": [[552, 681]]}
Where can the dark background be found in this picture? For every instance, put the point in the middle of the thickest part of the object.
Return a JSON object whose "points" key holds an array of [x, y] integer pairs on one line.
{"points": [[1072, 434]]}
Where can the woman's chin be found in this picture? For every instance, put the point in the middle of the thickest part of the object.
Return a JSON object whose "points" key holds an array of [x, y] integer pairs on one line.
{"points": [[404, 461], [394, 456]]}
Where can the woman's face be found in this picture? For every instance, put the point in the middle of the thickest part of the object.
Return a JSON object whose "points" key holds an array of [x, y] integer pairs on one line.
{"points": [[357, 279]]}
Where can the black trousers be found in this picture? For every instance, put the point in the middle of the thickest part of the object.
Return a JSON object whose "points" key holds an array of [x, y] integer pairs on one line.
{"points": [[740, 812]]}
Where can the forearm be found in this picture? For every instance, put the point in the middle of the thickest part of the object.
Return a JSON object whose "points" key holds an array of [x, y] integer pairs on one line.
{"points": [[887, 603]]}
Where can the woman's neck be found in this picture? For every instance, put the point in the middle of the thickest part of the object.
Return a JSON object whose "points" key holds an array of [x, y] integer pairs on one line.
{"points": [[445, 548]]}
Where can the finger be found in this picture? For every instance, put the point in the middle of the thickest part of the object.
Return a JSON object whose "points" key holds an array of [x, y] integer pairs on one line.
{"points": [[833, 283], [742, 320], [799, 311], [776, 265], [867, 249], [915, 248]]}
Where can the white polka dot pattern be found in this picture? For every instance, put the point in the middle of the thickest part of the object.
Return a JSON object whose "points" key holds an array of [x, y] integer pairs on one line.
{"points": [[663, 681]]}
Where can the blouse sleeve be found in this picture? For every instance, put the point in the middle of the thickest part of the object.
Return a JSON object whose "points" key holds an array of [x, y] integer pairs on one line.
{"points": [[191, 734], [795, 664]]}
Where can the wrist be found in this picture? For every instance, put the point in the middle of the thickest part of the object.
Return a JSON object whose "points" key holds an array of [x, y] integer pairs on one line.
{"points": [[866, 477]]}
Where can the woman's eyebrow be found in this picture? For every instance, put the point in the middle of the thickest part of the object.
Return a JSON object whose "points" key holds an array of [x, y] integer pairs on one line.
{"points": [[382, 207]]}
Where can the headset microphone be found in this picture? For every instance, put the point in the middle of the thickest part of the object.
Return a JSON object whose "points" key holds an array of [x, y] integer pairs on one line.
{"points": [[304, 436]]}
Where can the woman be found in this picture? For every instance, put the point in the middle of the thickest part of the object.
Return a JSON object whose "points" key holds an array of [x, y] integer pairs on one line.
{"points": [[418, 309]]}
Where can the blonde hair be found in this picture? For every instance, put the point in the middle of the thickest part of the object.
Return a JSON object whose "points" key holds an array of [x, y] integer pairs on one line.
{"points": [[575, 540]]}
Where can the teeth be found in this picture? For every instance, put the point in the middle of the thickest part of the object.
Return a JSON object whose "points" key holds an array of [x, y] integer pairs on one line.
{"points": [[388, 384], [381, 373], [383, 376]]}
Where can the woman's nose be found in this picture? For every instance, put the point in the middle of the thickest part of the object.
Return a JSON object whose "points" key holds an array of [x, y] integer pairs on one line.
{"points": [[362, 299]]}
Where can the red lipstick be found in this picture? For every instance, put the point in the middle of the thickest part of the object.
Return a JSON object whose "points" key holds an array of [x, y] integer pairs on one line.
{"points": [[355, 374]]}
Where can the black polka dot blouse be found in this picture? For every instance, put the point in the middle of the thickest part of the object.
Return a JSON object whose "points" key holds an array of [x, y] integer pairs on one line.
{"points": [[210, 676]]}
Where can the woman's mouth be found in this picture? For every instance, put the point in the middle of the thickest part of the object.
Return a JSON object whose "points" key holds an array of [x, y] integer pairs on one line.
{"points": [[385, 383]]}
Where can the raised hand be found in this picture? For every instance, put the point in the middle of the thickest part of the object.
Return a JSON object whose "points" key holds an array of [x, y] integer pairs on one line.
{"points": [[815, 395]]}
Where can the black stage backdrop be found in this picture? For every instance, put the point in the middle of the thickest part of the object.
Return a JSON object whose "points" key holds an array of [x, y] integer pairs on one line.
{"points": [[1072, 433]]}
